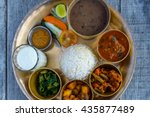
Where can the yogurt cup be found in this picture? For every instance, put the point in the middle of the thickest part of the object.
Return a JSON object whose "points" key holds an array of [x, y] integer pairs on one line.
{"points": [[28, 58]]}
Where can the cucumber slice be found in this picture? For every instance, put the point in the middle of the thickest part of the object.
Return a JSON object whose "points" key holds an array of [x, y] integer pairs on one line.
{"points": [[56, 31], [61, 10]]}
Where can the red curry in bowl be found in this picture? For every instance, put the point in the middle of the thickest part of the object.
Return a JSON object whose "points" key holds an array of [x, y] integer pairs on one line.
{"points": [[113, 46]]}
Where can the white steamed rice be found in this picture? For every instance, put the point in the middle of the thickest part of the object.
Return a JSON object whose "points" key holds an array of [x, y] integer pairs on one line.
{"points": [[77, 62]]}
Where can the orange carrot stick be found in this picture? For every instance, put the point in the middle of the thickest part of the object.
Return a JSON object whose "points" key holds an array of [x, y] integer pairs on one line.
{"points": [[56, 22]]}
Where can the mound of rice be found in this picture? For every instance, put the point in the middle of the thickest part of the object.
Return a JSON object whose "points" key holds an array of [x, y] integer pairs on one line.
{"points": [[77, 62]]}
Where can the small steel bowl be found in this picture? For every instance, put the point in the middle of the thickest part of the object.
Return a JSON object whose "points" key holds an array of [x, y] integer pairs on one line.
{"points": [[106, 94], [32, 83], [31, 33]]}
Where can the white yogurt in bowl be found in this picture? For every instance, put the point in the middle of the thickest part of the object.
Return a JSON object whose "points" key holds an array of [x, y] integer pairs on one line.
{"points": [[28, 58]]}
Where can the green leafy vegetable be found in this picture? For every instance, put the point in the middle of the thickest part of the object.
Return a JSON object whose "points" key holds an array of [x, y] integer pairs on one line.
{"points": [[48, 83]]}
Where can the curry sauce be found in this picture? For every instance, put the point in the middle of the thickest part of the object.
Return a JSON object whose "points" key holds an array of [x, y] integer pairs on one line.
{"points": [[113, 46]]}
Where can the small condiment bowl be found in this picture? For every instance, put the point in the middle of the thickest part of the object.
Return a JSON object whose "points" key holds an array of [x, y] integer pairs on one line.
{"points": [[110, 67], [32, 84], [71, 88], [106, 8], [30, 35], [122, 36]]}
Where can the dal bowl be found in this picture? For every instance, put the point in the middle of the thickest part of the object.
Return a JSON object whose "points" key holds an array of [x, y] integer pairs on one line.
{"points": [[85, 25]]}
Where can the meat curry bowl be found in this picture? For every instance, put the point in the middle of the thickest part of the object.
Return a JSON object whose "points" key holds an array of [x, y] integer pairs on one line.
{"points": [[113, 46], [88, 18], [105, 80]]}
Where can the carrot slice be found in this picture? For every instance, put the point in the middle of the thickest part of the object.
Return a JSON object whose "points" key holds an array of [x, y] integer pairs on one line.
{"points": [[97, 71], [56, 22]]}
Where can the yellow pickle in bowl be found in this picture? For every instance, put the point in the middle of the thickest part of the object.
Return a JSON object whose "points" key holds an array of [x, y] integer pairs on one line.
{"points": [[40, 37]]}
